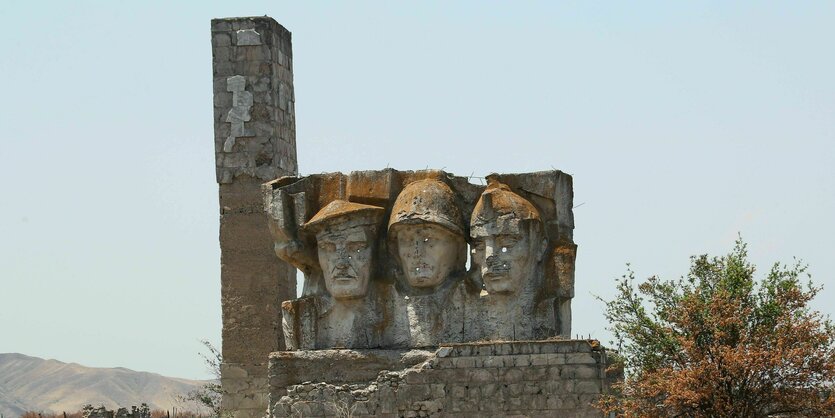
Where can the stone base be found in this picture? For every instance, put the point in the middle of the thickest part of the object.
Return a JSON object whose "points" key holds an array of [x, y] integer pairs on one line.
{"points": [[523, 378], [245, 391]]}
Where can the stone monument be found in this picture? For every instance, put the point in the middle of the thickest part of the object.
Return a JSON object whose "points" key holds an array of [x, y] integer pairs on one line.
{"points": [[408, 283], [255, 141], [424, 294]]}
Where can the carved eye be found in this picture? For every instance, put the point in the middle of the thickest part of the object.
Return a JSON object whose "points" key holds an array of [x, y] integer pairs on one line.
{"points": [[504, 249], [356, 246], [349, 257], [426, 240]]}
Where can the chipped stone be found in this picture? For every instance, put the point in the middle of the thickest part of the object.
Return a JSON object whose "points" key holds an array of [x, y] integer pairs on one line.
{"points": [[247, 37]]}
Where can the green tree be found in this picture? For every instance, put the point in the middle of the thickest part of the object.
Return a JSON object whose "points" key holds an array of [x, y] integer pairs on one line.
{"points": [[719, 343]]}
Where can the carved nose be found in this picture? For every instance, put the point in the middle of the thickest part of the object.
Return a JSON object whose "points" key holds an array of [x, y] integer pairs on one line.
{"points": [[342, 254]]}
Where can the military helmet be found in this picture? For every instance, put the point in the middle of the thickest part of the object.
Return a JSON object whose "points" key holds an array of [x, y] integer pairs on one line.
{"points": [[498, 201], [340, 211], [427, 200]]}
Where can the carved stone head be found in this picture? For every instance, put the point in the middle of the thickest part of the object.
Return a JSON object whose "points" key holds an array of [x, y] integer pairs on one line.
{"points": [[345, 235], [426, 233], [508, 239]]}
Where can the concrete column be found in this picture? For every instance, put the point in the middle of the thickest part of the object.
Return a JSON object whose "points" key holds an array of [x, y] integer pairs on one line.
{"points": [[255, 141]]}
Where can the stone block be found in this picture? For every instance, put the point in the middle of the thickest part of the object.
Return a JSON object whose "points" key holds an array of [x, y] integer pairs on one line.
{"points": [[362, 408], [445, 363], [485, 350], [301, 409], [511, 375], [587, 386], [417, 392], [463, 362], [523, 347], [387, 400], [489, 405], [438, 390], [237, 385], [233, 371], [555, 373], [462, 351], [515, 402], [554, 387], [416, 378], [556, 359], [222, 53], [250, 401], [547, 348], [220, 40], [247, 37], [458, 391], [221, 25], [539, 359], [538, 401], [580, 371], [587, 372], [586, 346], [580, 358], [522, 360], [493, 361], [536, 373], [488, 390], [482, 375]]}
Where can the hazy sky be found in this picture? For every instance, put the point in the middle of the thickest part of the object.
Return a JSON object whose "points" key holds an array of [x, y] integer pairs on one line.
{"points": [[683, 124]]}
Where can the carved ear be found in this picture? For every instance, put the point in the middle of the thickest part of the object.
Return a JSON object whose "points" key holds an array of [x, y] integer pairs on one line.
{"points": [[543, 245], [542, 242], [472, 278]]}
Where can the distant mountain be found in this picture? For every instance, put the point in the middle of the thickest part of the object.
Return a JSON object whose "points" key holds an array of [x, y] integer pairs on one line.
{"points": [[34, 384]]}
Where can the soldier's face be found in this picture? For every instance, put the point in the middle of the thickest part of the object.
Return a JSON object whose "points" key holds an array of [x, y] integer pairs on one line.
{"points": [[346, 259], [506, 259], [428, 253]]}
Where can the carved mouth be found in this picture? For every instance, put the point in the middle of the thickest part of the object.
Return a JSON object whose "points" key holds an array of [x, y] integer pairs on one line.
{"points": [[496, 268], [423, 270], [495, 275], [343, 274]]}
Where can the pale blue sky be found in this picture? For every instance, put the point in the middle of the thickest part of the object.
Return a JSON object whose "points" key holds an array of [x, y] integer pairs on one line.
{"points": [[683, 123]]}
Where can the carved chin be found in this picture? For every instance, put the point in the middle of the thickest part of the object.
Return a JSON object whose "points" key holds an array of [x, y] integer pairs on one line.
{"points": [[423, 280], [345, 287]]}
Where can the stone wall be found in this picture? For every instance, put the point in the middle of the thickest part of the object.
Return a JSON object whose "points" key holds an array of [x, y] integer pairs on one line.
{"points": [[89, 411], [255, 141], [522, 378]]}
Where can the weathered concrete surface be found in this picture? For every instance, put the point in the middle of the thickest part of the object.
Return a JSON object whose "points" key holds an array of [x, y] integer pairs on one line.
{"points": [[523, 378], [254, 142], [519, 285]]}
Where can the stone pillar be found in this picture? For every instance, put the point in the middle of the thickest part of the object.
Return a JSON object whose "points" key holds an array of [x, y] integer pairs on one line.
{"points": [[255, 141]]}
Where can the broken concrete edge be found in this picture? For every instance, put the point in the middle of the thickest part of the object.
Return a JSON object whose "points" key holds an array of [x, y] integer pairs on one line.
{"points": [[566, 378], [226, 24], [591, 344], [344, 362], [285, 180]]}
